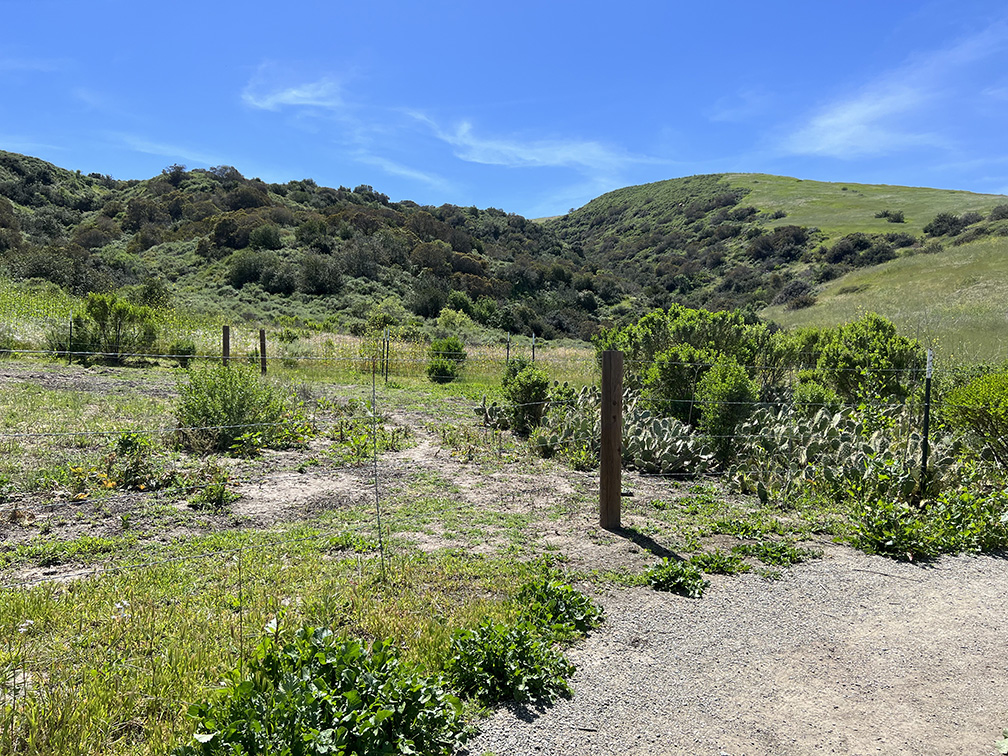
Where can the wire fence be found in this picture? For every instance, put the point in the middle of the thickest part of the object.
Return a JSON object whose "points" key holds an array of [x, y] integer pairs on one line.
{"points": [[88, 540]]}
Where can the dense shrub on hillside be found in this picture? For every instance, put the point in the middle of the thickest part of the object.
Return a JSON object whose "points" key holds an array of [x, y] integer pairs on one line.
{"points": [[981, 408], [945, 224], [526, 389], [671, 381]]}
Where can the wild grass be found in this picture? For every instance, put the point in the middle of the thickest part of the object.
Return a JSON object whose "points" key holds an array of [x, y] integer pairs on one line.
{"points": [[953, 300], [838, 209], [109, 664]]}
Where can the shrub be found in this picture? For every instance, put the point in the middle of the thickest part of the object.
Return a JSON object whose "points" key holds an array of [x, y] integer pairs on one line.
{"points": [[671, 381], [981, 407], [945, 224], [999, 212], [679, 577], [497, 662], [323, 694], [440, 370], [221, 404], [726, 396], [445, 359], [527, 391]]}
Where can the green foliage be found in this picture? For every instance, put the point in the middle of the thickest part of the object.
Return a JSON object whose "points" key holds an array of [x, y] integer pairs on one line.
{"points": [[182, 351], [672, 379], [526, 389], [445, 359], [775, 553], [981, 408], [562, 611], [718, 562], [499, 662], [318, 693], [726, 396], [219, 405], [1002, 744], [868, 358], [958, 520], [677, 576], [113, 328]]}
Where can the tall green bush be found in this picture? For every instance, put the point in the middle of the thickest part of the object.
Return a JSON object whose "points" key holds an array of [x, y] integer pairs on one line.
{"points": [[726, 397], [445, 359], [981, 408], [672, 379], [231, 407], [526, 389]]}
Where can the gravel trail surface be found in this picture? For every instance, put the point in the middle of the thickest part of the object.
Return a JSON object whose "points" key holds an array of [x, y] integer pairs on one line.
{"points": [[849, 654]]}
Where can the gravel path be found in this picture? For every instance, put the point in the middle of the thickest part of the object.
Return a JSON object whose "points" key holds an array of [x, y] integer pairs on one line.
{"points": [[849, 654]]}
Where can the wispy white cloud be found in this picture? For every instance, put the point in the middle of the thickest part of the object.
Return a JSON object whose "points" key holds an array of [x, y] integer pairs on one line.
{"points": [[870, 123], [884, 115], [584, 155], [397, 169], [167, 150], [270, 89]]}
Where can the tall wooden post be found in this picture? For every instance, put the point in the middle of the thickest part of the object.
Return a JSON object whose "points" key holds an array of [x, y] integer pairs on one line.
{"points": [[262, 350], [225, 344], [611, 458]]}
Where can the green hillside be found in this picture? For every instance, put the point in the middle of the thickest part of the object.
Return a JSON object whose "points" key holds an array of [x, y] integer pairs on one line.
{"points": [[213, 244], [954, 300], [841, 209]]}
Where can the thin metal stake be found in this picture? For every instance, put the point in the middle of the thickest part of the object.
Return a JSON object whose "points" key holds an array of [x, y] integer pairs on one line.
{"points": [[374, 434], [927, 422]]}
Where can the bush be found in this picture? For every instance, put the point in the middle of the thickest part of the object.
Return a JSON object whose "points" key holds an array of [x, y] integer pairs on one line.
{"points": [[224, 407], [672, 380], [445, 359], [945, 224], [182, 351], [981, 407], [563, 611], [526, 389], [497, 662], [726, 396], [440, 370], [999, 212], [322, 694]]}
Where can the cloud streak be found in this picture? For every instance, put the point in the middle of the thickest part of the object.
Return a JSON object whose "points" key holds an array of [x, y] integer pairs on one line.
{"points": [[878, 119], [264, 93]]}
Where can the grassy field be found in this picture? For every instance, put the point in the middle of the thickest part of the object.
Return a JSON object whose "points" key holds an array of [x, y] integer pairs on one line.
{"points": [[839, 209], [953, 300]]}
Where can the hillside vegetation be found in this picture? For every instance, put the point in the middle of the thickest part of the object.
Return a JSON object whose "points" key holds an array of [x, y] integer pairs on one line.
{"points": [[213, 243]]}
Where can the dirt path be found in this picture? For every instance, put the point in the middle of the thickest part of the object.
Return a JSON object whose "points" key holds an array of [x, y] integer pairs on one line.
{"points": [[849, 654]]}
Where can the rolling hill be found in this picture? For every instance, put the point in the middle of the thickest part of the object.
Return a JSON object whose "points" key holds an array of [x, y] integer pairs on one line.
{"points": [[800, 252]]}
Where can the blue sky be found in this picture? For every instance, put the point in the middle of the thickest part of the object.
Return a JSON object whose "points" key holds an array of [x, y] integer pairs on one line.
{"points": [[532, 107]]}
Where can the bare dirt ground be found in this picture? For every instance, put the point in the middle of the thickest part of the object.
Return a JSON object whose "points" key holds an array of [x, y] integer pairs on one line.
{"points": [[847, 654]]}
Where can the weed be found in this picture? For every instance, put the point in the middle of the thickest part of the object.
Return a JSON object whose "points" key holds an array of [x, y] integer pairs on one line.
{"points": [[776, 553], [498, 662], [554, 605], [718, 562], [676, 576], [321, 693]]}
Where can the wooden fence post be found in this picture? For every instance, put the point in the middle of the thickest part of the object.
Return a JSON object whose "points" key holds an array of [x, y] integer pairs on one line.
{"points": [[262, 350], [225, 344], [611, 457]]}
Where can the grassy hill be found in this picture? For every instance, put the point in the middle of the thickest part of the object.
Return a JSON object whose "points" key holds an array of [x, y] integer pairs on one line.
{"points": [[839, 209], [215, 244]]}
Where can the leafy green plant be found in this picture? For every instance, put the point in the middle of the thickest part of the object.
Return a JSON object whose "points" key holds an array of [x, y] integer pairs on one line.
{"points": [[776, 553], [445, 359], [318, 693], [726, 396], [718, 562], [526, 389], [677, 576], [497, 662], [182, 351], [981, 408], [562, 610], [220, 404], [1002, 744]]}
